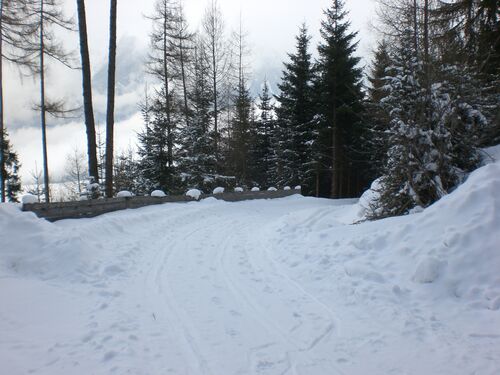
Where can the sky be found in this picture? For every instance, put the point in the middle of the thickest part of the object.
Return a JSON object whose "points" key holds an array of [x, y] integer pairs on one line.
{"points": [[271, 26]]}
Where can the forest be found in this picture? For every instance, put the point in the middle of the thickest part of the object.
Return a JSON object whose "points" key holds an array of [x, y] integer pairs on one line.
{"points": [[412, 124]]}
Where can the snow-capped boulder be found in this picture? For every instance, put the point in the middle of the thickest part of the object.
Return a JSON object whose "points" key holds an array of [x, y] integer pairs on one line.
{"points": [[255, 189], [427, 271], [238, 190], [272, 189], [194, 193], [287, 188], [29, 199], [218, 190], [298, 187], [158, 194], [124, 194]]}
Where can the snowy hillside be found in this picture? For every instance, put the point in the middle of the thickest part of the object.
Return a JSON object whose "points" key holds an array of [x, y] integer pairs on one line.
{"points": [[260, 287]]}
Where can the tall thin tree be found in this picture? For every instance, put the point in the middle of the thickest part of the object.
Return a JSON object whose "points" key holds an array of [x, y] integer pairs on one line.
{"points": [[87, 92], [110, 116]]}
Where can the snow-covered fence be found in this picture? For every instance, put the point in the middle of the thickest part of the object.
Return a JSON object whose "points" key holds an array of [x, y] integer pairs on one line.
{"points": [[96, 207]]}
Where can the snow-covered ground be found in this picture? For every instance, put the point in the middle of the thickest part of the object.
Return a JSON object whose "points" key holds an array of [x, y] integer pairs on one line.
{"points": [[286, 286]]}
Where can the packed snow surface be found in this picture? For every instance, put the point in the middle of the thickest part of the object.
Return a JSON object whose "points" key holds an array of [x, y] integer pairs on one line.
{"points": [[283, 286]]}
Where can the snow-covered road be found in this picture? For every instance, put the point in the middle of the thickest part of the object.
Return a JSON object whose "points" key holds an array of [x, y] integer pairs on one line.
{"points": [[260, 287]]}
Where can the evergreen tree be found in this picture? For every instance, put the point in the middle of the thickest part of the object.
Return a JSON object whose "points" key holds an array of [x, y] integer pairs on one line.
{"points": [[377, 118], [340, 103], [155, 151], [127, 175], [263, 148], [424, 141], [10, 171], [294, 131], [242, 136], [197, 156]]}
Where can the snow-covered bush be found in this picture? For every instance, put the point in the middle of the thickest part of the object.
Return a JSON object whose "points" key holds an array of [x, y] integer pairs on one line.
{"points": [[255, 189], [124, 194], [218, 190], [272, 189], [92, 189], [29, 199], [158, 194], [238, 190], [298, 187], [287, 188], [194, 193]]}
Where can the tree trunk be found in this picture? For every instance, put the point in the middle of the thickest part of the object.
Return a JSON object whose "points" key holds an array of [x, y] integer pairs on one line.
{"points": [[110, 115], [87, 92], [2, 161], [42, 107], [167, 91], [415, 26]]}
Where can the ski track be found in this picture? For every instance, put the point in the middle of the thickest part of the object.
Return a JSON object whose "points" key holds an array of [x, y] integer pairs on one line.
{"points": [[216, 288], [203, 297]]}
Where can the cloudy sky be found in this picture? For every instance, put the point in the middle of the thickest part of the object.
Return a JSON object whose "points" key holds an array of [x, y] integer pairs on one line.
{"points": [[271, 27]]}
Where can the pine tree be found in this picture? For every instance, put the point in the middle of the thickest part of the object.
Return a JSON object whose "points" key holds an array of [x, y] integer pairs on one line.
{"points": [[10, 171], [377, 118], [262, 151], [87, 91], [338, 87], [155, 151], [294, 130], [427, 155], [197, 162]]}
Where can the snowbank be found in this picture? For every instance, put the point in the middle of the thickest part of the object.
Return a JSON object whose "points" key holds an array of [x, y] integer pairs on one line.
{"points": [[218, 190], [194, 193], [28, 199], [158, 194], [124, 194]]}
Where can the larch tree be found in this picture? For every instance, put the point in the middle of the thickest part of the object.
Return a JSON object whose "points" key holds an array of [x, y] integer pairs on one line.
{"points": [[87, 92], [16, 32], [217, 54], [110, 112]]}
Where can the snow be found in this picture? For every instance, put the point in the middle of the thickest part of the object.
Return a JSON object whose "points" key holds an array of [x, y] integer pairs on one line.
{"points": [[28, 199], [427, 271], [255, 189], [287, 188], [124, 194], [218, 190], [272, 189], [283, 286], [194, 193], [298, 187], [238, 190], [158, 194]]}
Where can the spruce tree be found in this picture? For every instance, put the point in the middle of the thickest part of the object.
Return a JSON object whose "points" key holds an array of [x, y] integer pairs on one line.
{"points": [[155, 150], [426, 155], [197, 163], [263, 148], [10, 170], [340, 102], [294, 114]]}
